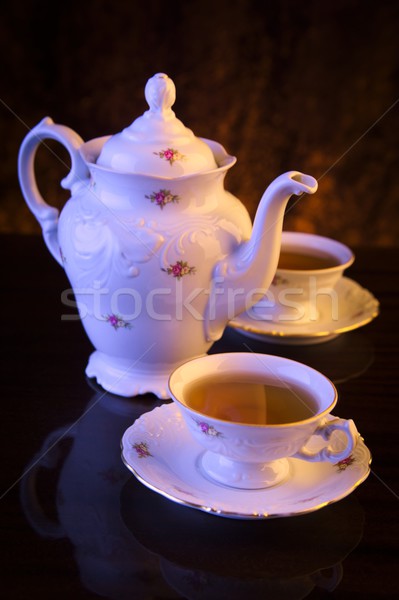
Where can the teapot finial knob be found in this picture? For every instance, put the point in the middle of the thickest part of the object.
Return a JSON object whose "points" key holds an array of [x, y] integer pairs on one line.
{"points": [[160, 93]]}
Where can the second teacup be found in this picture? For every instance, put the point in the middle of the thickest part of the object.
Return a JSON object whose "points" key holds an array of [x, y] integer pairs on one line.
{"points": [[250, 412], [308, 271]]}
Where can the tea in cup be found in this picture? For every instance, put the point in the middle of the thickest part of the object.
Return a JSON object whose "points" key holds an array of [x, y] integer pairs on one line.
{"points": [[308, 271], [252, 412]]}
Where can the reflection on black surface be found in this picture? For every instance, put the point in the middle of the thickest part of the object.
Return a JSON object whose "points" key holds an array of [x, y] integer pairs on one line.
{"points": [[343, 358], [203, 556], [130, 542], [87, 496]]}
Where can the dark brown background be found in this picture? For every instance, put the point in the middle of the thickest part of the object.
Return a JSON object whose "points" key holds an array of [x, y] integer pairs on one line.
{"points": [[281, 84]]}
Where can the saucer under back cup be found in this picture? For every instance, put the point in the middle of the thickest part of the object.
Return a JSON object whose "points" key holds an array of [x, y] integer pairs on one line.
{"points": [[356, 307]]}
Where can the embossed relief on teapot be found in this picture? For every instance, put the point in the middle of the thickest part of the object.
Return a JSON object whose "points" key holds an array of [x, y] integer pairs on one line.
{"points": [[151, 241], [102, 243]]}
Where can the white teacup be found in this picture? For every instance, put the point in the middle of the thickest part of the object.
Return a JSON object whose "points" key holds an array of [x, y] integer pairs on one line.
{"points": [[309, 269], [222, 399]]}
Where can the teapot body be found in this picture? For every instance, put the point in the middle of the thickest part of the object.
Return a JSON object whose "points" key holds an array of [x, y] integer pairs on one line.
{"points": [[140, 252], [159, 255]]}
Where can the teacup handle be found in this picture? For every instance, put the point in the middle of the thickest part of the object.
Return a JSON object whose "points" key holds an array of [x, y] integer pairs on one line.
{"points": [[325, 430], [329, 581]]}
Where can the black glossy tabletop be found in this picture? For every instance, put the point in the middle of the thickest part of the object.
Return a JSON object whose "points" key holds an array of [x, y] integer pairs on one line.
{"points": [[77, 524]]}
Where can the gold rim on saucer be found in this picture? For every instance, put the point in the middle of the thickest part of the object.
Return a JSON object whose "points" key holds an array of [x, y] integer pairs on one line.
{"points": [[161, 454], [365, 308]]}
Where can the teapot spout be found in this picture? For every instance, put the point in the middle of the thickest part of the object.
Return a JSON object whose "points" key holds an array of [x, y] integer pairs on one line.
{"points": [[242, 278]]}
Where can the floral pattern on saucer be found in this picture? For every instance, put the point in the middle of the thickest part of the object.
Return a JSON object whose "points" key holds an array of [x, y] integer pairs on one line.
{"points": [[174, 471], [142, 449], [342, 465]]}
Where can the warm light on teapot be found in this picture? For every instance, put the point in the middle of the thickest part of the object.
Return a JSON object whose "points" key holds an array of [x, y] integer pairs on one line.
{"points": [[159, 254], [136, 149]]}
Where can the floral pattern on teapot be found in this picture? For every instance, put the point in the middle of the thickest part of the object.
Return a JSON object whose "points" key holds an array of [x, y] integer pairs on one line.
{"points": [[117, 322], [171, 155], [127, 257], [163, 197], [179, 269]]}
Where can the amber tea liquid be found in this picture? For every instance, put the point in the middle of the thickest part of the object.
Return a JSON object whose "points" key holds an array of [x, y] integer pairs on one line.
{"points": [[305, 262], [251, 401]]}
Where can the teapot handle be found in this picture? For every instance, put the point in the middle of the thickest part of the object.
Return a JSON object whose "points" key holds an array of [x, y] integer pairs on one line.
{"points": [[47, 458], [78, 175]]}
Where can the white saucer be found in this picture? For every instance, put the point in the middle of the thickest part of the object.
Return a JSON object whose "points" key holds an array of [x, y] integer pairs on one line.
{"points": [[161, 453], [356, 307]]}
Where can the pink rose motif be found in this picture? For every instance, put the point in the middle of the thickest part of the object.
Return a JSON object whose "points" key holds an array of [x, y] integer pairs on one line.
{"points": [[176, 270], [168, 154], [179, 269], [117, 322], [163, 197], [142, 449], [208, 429], [342, 465], [171, 155]]}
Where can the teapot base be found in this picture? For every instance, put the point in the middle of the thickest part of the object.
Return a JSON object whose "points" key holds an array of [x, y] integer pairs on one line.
{"points": [[126, 377]]}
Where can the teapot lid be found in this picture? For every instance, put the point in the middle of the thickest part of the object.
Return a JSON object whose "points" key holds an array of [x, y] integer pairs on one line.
{"points": [[157, 143]]}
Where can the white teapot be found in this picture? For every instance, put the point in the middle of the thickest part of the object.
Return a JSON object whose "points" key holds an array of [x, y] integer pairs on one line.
{"points": [[160, 256]]}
